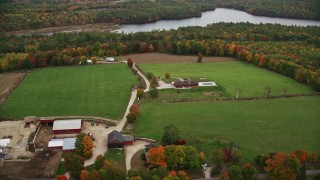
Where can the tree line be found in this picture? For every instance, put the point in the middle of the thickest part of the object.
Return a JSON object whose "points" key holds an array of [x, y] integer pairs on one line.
{"points": [[308, 9], [41, 13], [290, 50]]}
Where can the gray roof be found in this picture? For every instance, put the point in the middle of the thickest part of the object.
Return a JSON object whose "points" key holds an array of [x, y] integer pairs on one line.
{"points": [[69, 143], [67, 124], [115, 136], [127, 138]]}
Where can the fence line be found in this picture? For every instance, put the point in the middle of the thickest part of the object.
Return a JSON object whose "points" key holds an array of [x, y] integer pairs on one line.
{"points": [[239, 99]]}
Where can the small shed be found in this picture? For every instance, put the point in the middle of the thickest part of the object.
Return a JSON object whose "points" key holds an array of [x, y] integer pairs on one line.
{"points": [[72, 126], [128, 140], [69, 144], [30, 119], [115, 139], [55, 144]]}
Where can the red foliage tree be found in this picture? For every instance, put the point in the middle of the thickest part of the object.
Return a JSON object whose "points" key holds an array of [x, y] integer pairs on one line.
{"points": [[228, 154], [301, 154], [130, 63], [135, 109]]}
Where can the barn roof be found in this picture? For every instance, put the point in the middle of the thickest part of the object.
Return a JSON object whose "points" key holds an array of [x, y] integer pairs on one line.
{"points": [[115, 136], [69, 143], [55, 143], [67, 124], [127, 138], [4, 142]]}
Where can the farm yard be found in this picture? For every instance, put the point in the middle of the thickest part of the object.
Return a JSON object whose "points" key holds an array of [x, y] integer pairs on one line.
{"points": [[248, 79], [100, 90], [258, 126]]}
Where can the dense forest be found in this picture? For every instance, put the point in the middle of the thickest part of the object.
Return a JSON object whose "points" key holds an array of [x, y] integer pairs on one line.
{"points": [[33, 14], [289, 50], [299, 9], [20, 16]]}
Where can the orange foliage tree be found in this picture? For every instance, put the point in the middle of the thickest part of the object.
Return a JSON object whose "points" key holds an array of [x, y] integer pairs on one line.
{"points": [[87, 146], [84, 175], [157, 157], [282, 166]]}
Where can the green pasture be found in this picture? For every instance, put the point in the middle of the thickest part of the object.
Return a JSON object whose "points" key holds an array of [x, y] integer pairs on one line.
{"points": [[257, 126], [93, 90], [248, 79]]}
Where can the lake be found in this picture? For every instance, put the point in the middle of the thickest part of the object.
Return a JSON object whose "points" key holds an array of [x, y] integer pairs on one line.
{"points": [[218, 15]]}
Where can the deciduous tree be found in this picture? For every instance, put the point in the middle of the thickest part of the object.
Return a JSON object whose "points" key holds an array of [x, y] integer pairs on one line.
{"points": [[130, 63], [74, 164], [131, 117], [218, 158], [170, 135], [283, 166], [87, 143], [140, 93], [249, 172], [157, 156]]}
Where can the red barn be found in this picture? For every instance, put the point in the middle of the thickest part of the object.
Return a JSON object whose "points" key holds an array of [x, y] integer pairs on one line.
{"points": [[128, 140], [72, 126], [66, 144]]}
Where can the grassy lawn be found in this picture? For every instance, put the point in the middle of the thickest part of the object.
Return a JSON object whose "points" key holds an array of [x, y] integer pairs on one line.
{"points": [[258, 126], [98, 90], [249, 79], [116, 157], [197, 93]]}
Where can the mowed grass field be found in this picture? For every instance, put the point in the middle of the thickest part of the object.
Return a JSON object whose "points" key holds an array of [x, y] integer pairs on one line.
{"points": [[97, 90], [258, 126], [247, 78]]}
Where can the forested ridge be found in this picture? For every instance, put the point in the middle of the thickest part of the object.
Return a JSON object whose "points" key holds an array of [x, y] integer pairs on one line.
{"points": [[33, 14], [19, 16], [289, 50], [299, 9]]}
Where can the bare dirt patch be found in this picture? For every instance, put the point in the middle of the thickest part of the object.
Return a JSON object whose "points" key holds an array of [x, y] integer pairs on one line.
{"points": [[100, 27], [43, 166], [157, 58], [8, 80], [43, 137], [17, 147]]}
